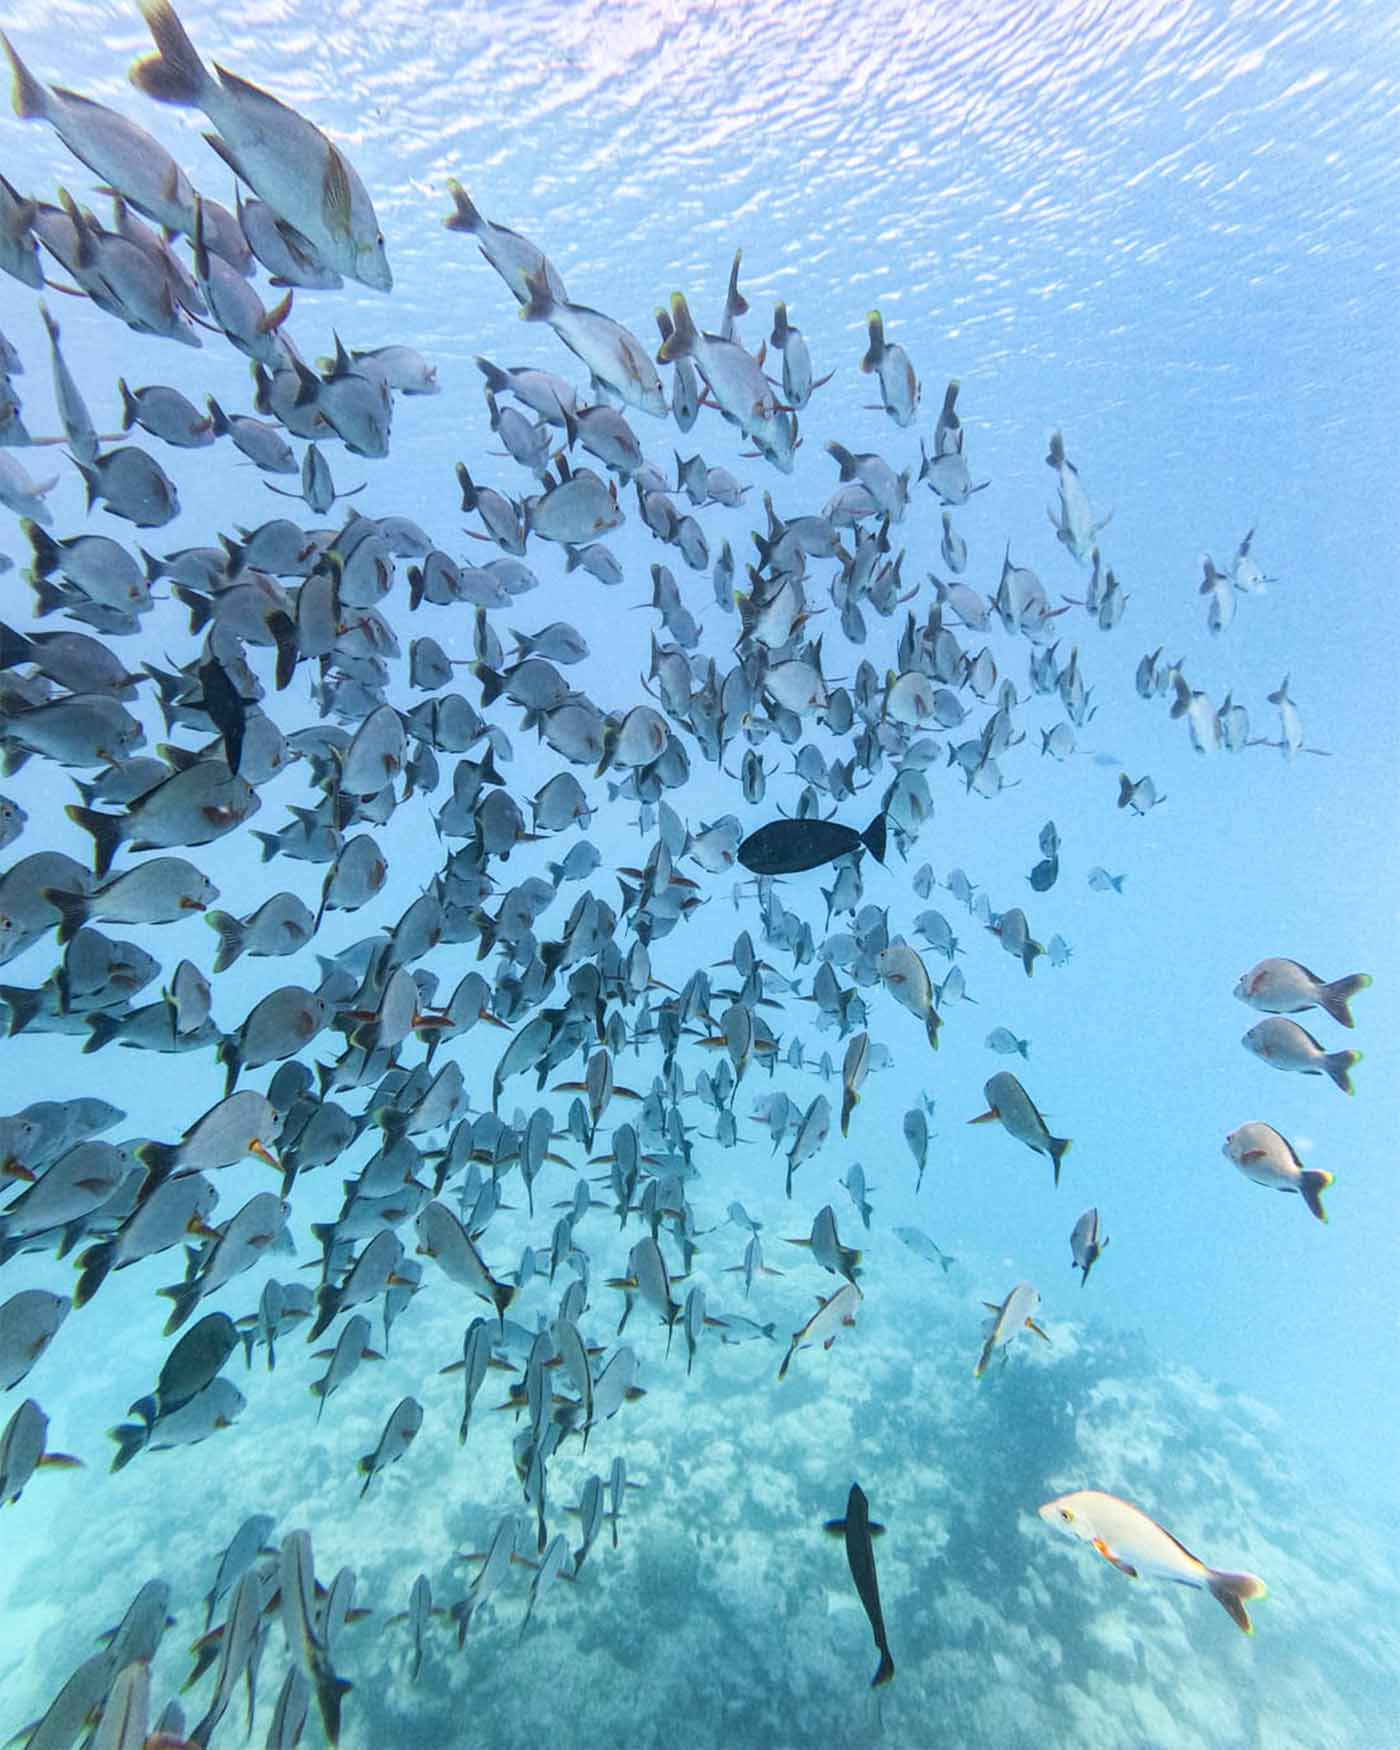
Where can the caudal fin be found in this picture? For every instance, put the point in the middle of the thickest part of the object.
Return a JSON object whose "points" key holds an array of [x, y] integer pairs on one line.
{"points": [[876, 350], [30, 98], [1233, 1591], [1339, 1065], [175, 73], [873, 838], [1315, 1182], [1336, 996], [465, 216], [680, 342], [1059, 1148]]}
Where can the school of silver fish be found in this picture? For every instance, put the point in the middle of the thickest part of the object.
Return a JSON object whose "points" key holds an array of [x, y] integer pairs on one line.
{"points": [[374, 1044]]}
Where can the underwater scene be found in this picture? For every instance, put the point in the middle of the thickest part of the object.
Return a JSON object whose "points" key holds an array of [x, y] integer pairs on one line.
{"points": [[698, 875]]}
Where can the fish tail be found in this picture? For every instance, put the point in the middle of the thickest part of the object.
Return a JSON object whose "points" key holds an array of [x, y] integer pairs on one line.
{"points": [[873, 838], [232, 938], [94, 1264], [217, 416], [1336, 996], [876, 350], [781, 328], [843, 458], [680, 342], [129, 407], [47, 557], [885, 1670], [464, 216], [72, 909], [735, 303], [1315, 1182], [175, 73], [23, 1005], [1233, 1591], [1125, 789], [1338, 1065], [1059, 1148], [1056, 457], [106, 830], [130, 1438], [185, 1298], [30, 99]]}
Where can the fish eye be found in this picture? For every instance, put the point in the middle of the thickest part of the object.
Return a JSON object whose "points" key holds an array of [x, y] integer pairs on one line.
{"points": [[1067, 1516]]}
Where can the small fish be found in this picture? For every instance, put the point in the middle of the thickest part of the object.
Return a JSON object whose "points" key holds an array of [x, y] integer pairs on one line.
{"points": [[1010, 1104], [1262, 1154], [1138, 1546], [1284, 987], [29, 1321], [1287, 1046], [1085, 1243], [825, 1323], [1139, 795], [1004, 1040], [920, 1243], [23, 1451], [405, 1419], [1102, 882], [858, 1531], [1015, 1314], [899, 387]]}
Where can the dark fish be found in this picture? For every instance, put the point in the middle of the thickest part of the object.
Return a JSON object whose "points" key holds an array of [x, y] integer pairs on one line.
{"points": [[785, 847], [223, 704], [858, 1532]]}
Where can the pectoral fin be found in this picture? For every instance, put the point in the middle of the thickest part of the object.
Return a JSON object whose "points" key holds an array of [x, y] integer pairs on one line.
{"points": [[1117, 1561]]}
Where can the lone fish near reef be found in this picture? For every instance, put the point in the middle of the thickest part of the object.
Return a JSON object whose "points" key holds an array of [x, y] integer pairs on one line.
{"points": [[786, 847], [1137, 1546], [858, 1531]]}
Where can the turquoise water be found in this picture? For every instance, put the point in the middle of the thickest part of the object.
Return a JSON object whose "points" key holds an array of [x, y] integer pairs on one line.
{"points": [[1168, 234]]}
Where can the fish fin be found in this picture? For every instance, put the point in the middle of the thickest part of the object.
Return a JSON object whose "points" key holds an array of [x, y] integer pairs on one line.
{"points": [[1059, 1148], [539, 305], [464, 216], [987, 1117], [1232, 1590], [1315, 1182], [271, 320], [72, 909], [30, 99], [1117, 1561], [884, 1671], [94, 1264], [680, 342], [130, 1438], [876, 350], [175, 73], [1338, 1065], [1031, 1325], [335, 194], [1335, 997], [106, 830]]}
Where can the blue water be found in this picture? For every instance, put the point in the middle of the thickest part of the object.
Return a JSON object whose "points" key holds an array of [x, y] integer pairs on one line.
{"points": [[1168, 232]]}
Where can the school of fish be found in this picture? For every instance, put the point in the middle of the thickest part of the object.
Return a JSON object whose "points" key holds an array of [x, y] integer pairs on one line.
{"points": [[374, 1044]]}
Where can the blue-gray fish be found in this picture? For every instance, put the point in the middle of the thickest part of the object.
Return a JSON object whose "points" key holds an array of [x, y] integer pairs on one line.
{"points": [[305, 178]]}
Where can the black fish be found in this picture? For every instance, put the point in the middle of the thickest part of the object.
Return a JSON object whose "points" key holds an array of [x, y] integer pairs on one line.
{"points": [[223, 704], [860, 1554], [784, 847], [1045, 874]]}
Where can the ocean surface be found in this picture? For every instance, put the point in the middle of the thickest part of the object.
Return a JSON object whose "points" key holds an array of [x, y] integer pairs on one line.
{"points": [[1167, 232]]}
